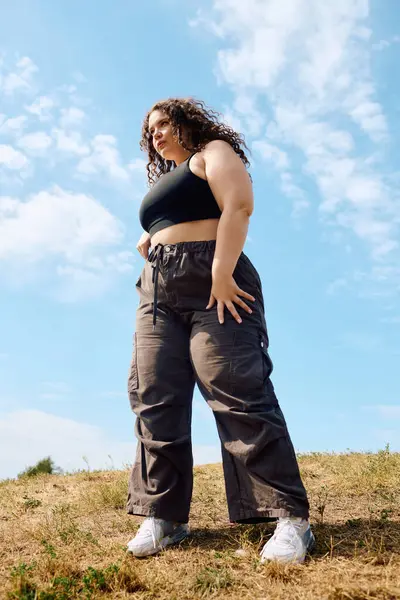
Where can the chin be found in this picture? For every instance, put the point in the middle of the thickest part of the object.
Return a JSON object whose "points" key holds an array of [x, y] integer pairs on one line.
{"points": [[166, 156]]}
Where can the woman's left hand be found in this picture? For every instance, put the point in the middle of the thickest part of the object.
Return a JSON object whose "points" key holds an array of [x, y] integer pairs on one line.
{"points": [[225, 292]]}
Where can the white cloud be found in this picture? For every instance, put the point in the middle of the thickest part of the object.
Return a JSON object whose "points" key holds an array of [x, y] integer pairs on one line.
{"points": [[27, 436], [70, 236], [79, 77], [336, 285], [231, 118], [71, 142], [57, 223], [307, 64], [66, 237], [93, 278], [280, 161], [35, 142], [138, 164], [11, 158], [250, 117], [369, 116], [383, 44], [395, 320], [42, 108], [386, 411], [104, 159], [14, 125], [21, 78], [382, 281], [273, 154], [293, 191], [7, 205], [71, 117]]}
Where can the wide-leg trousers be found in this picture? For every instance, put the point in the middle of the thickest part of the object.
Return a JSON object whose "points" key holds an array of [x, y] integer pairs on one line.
{"points": [[178, 343]]}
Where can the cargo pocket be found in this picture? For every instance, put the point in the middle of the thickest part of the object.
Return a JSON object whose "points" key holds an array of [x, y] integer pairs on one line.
{"points": [[268, 388], [267, 362], [133, 381]]}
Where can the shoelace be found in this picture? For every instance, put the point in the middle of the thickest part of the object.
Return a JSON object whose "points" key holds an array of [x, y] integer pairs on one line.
{"points": [[283, 523], [149, 525]]}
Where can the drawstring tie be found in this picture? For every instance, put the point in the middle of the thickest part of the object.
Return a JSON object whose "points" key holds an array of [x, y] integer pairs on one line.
{"points": [[154, 257]]}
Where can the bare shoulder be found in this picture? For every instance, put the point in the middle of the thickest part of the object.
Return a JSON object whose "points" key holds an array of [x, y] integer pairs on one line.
{"points": [[218, 147], [216, 151]]}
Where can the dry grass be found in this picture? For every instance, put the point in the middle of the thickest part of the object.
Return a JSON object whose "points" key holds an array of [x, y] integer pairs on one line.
{"points": [[64, 537]]}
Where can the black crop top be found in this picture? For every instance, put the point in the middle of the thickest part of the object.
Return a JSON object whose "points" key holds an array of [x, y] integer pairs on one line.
{"points": [[177, 197]]}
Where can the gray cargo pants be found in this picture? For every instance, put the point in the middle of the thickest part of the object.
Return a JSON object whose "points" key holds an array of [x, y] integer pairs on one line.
{"points": [[232, 368]]}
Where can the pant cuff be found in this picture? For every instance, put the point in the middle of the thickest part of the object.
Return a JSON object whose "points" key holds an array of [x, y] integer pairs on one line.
{"points": [[269, 515], [153, 512]]}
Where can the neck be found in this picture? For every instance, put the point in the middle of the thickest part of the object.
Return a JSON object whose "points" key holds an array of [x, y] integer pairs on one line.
{"points": [[182, 157]]}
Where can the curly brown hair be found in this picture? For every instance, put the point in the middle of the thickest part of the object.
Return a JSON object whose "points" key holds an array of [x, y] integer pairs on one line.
{"points": [[199, 123]]}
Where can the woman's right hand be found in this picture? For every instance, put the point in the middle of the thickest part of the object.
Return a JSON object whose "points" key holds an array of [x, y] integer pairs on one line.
{"points": [[143, 245]]}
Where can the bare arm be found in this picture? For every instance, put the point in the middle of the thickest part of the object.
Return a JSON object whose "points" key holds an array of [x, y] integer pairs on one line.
{"points": [[232, 189]]}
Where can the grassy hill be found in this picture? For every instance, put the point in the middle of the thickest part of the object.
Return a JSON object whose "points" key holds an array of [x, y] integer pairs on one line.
{"points": [[64, 536]]}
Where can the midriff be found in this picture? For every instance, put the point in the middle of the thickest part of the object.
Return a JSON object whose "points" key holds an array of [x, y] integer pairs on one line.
{"points": [[192, 231]]}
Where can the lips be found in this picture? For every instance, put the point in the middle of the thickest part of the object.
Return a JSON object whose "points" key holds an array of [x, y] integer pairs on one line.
{"points": [[160, 145]]}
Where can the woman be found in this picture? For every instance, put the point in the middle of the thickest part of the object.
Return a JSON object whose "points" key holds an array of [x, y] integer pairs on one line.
{"points": [[201, 320]]}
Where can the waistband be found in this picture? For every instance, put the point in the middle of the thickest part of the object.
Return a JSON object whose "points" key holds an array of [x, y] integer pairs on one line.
{"points": [[182, 247], [156, 254]]}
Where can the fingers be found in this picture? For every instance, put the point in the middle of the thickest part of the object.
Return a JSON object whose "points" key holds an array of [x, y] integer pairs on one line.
{"points": [[240, 292], [211, 302], [143, 250], [220, 311], [242, 304], [231, 307]]}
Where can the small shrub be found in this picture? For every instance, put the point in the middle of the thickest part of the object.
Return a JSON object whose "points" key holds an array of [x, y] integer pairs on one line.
{"points": [[24, 589], [49, 549], [88, 584], [30, 503], [99, 579], [62, 588], [43, 466]]}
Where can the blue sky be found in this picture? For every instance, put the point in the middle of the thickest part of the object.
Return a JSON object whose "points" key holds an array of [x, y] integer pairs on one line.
{"points": [[312, 86]]}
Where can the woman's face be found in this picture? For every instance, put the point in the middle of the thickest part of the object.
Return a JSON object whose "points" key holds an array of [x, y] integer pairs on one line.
{"points": [[161, 131]]}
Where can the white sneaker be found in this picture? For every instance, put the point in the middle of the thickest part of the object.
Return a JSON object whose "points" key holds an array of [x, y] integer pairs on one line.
{"points": [[291, 541], [156, 534]]}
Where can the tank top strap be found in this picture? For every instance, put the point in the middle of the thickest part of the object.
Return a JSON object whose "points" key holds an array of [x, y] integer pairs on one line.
{"points": [[189, 159]]}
